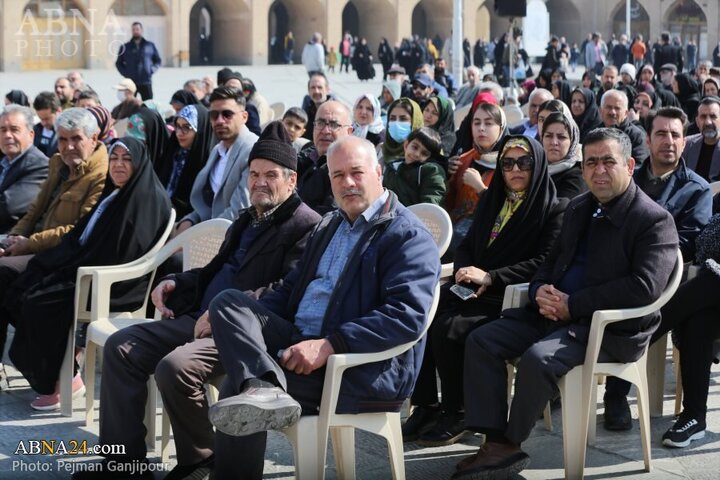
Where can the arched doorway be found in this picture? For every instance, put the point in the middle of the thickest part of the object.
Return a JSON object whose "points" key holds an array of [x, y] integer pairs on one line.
{"points": [[536, 28], [482, 23], [278, 27], [686, 20], [351, 20], [201, 34], [639, 20], [419, 21], [46, 49], [564, 22]]}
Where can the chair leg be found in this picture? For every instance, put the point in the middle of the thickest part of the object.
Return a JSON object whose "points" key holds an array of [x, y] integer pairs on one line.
{"points": [[90, 350], [165, 437], [66, 375], [574, 445], [547, 417], [592, 415], [656, 375], [510, 379], [343, 442], [305, 452], [678, 381], [150, 414], [644, 418], [395, 447]]}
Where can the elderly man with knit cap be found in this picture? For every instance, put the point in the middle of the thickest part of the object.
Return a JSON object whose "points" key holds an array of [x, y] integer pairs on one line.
{"points": [[261, 246]]}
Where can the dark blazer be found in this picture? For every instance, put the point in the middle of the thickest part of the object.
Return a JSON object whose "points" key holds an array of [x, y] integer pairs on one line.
{"points": [[50, 148], [21, 185], [273, 254], [570, 183], [691, 154], [314, 181], [638, 138], [688, 198], [631, 255]]}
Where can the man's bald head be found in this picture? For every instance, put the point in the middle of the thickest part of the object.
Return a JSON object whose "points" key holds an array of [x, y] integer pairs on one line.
{"points": [[333, 120]]}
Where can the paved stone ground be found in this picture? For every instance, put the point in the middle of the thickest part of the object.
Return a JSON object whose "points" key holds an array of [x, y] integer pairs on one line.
{"points": [[615, 455]]}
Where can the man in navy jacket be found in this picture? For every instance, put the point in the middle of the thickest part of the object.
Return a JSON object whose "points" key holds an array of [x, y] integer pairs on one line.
{"points": [[137, 60], [365, 283]]}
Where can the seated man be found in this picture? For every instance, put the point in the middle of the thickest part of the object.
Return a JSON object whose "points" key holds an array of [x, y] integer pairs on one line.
{"points": [[220, 189], [702, 151], [74, 184], [666, 179], [333, 121], [23, 167], [364, 284], [616, 249], [613, 112], [529, 126], [261, 246]]}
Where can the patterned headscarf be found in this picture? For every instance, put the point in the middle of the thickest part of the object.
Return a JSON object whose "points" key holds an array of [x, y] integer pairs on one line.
{"points": [[190, 115]]}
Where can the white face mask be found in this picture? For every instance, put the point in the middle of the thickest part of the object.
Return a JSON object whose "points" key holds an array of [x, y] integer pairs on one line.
{"points": [[121, 95]]}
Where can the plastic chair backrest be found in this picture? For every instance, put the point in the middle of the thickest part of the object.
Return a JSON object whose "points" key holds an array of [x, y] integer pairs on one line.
{"points": [[278, 109], [437, 221], [715, 188]]}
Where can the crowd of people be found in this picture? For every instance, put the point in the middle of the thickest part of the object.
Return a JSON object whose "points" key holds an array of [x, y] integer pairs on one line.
{"points": [[587, 198]]}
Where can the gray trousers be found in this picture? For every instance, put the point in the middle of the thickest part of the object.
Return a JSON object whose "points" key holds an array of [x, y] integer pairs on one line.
{"points": [[547, 352], [248, 338], [181, 365]]}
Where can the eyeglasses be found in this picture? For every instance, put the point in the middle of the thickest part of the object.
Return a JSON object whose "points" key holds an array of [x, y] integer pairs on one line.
{"points": [[227, 114], [524, 163], [332, 125], [184, 128]]}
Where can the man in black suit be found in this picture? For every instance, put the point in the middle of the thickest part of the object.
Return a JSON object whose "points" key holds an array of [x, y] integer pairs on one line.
{"points": [[616, 249], [47, 106], [22, 168]]}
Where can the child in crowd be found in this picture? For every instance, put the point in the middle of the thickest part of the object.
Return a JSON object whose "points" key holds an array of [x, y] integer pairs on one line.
{"points": [[295, 120], [418, 178], [332, 59]]}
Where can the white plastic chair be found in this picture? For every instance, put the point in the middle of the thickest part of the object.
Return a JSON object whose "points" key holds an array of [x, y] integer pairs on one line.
{"points": [[199, 244], [578, 388], [278, 109], [82, 314], [437, 221], [309, 436], [514, 115], [460, 114], [715, 188]]}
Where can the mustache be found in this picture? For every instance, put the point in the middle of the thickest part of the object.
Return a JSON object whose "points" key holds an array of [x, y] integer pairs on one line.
{"points": [[350, 191], [261, 190]]}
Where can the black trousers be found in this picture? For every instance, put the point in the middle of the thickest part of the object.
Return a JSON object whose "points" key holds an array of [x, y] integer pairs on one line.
{"points": [[445, 348], [248, 338], [145, 91], [692, 313]]}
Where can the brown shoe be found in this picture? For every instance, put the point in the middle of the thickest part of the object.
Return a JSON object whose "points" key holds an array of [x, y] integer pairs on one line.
{"points": [[492, 461]]}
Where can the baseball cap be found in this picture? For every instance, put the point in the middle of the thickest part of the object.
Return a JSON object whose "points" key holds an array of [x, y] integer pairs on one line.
{"points": [[423, 79], [126, 84]]}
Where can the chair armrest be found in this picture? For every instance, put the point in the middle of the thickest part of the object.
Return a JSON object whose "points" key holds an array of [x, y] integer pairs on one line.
{"points": [[516, 296], [446, 271]]}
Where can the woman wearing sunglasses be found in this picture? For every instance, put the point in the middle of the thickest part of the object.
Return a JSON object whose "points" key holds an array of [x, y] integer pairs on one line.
{"points": [[513, 228]]}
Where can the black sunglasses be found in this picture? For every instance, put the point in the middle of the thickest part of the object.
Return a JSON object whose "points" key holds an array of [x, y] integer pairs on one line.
{"points": [[227, 114], [523, 163]]}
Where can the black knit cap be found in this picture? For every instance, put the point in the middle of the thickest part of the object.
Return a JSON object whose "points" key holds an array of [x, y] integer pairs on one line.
{"points": [[274, 145]]}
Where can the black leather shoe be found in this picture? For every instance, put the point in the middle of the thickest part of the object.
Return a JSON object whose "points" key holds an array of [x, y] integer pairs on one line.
{"points": [[420, 421], [617, 413], [198, 471], [449, 428]]}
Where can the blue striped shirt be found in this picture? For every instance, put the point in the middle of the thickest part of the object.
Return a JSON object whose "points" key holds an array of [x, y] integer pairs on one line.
{"points": [[314, 303]]}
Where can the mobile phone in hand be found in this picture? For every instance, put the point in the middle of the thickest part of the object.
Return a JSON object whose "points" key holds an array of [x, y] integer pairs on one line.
{"points": [[463, 292]]}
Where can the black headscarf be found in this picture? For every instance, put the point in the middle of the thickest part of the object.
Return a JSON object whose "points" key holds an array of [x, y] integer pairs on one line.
{"points": [[445, 125], [197, 157], [590, 119], [565, 90], [519, 238], [18, 97], [130, 225], [156, 133], [184, 97], [688, 94]]}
